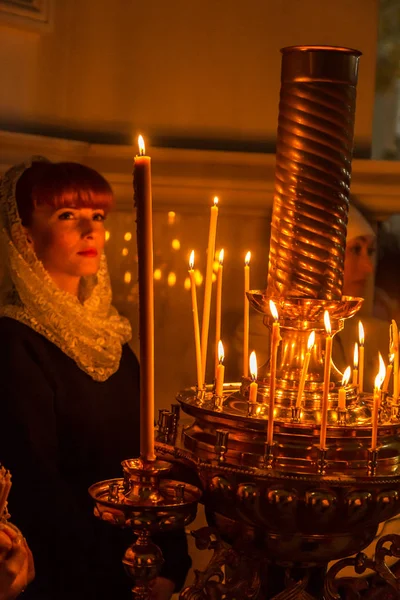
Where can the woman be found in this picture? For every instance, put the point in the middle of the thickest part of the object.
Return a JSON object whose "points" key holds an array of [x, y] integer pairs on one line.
{"points": [[70, 383]]}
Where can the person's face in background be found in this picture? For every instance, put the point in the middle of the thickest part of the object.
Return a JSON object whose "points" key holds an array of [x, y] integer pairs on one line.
{"points": [[358, 265]]}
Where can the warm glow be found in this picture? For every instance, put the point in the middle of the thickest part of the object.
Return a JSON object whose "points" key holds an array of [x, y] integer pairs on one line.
{"points": [[346, 376], [355, 359], [221, 354], [379, 379], [107, 236], [273, 310], [171, 279], [215, 200], [327, 322], [186, 285], [191, 260], [213, 278], [311, 340], [253, 365], [127, 277], [198, 277], [141, 145], [247, 258], [221, 257], [128, 236], [171, 217], [157, 274], [125, 251], [391, 359], [176, 244], [215, 266], [361, 333]]}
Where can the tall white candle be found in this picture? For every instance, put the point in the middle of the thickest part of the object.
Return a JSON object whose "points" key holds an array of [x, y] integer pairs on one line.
{"points": [[219, 379], [144, 220], [327, 376], [196, 326], [389, 371], [246, 315], [275, 341], [208, 285], [394, 349], [304, 371], [377, 401], [218, 306], [361, 358]]}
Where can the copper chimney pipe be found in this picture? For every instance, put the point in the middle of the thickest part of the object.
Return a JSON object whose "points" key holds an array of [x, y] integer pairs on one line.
{"points": [[313, 172]]}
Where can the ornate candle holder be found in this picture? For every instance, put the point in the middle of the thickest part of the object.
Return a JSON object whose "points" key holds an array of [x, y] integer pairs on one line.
{"points": [[147, 504]]}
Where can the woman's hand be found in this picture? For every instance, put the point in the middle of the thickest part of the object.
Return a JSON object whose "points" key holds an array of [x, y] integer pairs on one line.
{"points": [[162, 589], [16, 563]]}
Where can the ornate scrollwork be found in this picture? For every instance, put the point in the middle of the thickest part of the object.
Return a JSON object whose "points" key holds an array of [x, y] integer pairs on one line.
{"points": [[357, 588], [241, 579]]}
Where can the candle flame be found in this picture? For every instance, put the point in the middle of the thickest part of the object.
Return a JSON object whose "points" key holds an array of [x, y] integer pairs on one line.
{"points": [[221, 257], [311, 340], [253, 366], [247, 258], [273, 309], [379, 379], [327, 322], [355, 356], [142, 148], [191, 260], [221, 354], [361, 333], [216, 200], [346, 376], [391, 359]]}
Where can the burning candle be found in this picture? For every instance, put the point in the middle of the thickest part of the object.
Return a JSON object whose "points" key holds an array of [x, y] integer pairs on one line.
{"points": [[144, 230], [355, 365], [342, 391], [361, 358], [389, 372], [195, 321], [310, 344], [327, 376], [208, 285], [253, 372], [246, 315], [275, 340], [218, 306], [377, 401], [219, 379], [394, 349]]}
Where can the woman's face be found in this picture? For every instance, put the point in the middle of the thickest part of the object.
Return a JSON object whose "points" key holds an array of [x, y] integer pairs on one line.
{"points": [[68, 241], [358, 265]]}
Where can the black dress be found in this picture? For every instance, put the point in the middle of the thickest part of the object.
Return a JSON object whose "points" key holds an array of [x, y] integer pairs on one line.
{"points": [[60, 432]]}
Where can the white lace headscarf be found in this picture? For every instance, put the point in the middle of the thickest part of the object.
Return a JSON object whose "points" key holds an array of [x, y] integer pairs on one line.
{"points": [[89, 329]]}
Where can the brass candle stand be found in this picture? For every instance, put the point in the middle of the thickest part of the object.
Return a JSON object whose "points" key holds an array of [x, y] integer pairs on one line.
{"points": [[147, 504]]}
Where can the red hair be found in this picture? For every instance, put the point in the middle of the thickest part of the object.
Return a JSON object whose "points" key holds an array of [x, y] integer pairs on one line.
{"points": [[64, 184]]}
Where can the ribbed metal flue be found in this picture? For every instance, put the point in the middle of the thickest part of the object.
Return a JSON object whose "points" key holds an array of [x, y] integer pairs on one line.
{"points": [[313, 171]]}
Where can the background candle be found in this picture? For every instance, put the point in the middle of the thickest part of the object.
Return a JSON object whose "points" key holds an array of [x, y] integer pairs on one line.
{"points": [[196, 326], [219, 380], [310, 344], [253, 389], [355, 365], [342, 391], [327, 376], [218, 306], [246, 315], [208, 285], [275, 340], [144, 220], [361, 357], [377, 401]]}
